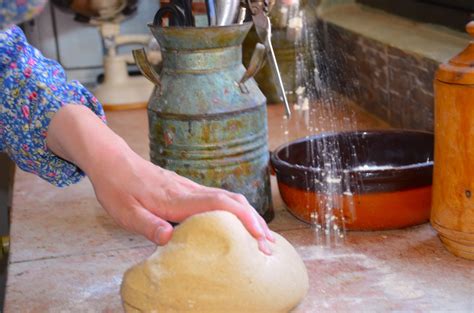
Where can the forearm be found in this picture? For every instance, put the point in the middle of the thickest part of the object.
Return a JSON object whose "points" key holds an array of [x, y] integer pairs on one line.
{"points": [[140, 196], [77, 135]]}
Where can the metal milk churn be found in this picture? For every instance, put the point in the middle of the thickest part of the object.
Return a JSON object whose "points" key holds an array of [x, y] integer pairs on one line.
{"points": [[452, 212], [203, 123]]}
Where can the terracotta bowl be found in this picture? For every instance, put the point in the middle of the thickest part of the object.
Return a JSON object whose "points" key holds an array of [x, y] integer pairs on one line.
{"points": [[384, 177]]}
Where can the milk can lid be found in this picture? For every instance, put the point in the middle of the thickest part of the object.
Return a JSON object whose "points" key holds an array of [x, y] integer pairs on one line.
{"points": [[460, 69]]}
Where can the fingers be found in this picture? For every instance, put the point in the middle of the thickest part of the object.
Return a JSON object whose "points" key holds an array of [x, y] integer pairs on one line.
{"points": [[180, 198], [212, 201], [242, 200], [249, 210], [238, 205], [149, 225], [263, 246], [268, 233]]}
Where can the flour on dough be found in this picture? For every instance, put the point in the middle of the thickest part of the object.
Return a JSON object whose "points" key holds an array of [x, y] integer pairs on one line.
{"points": [[213, 265]]}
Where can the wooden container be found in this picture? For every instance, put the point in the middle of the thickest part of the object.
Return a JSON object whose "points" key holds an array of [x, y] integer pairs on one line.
{"points": [[452, 212]]}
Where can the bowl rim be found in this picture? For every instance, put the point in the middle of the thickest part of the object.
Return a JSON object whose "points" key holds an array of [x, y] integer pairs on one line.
{"points": [[277, 162]]}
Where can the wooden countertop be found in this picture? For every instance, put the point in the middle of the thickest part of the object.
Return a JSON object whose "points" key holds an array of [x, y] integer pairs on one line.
{"points": [[68, 256]]}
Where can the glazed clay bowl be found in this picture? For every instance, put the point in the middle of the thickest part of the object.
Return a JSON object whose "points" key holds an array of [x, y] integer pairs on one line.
{"points": [[382, 178]]}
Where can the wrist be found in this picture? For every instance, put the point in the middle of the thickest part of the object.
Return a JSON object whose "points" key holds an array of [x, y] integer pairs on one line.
{"points": [[107, 157]]}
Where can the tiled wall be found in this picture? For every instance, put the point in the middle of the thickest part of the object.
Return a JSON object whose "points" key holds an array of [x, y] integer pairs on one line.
{"points": [[395, 85]]}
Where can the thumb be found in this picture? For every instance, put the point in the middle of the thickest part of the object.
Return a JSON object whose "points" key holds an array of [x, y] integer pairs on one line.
{"points": [[151, 226]]}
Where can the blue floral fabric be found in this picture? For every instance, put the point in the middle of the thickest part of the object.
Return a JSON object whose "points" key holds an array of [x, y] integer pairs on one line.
{"points": [[32, 89], [17, 11]]}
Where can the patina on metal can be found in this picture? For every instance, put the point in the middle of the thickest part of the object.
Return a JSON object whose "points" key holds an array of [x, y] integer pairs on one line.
{"points": [[202, 125]]}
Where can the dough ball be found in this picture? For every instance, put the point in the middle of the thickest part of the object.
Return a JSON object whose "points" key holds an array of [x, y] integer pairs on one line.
{"points": [[213, 265]]}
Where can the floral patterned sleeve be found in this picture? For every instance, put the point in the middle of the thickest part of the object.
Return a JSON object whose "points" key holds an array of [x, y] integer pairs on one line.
{"points": [[17, 11], [32, 89]]}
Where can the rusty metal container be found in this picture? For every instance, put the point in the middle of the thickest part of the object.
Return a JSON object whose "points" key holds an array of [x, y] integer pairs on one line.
{"points": [[202, 124], [452, 212]]}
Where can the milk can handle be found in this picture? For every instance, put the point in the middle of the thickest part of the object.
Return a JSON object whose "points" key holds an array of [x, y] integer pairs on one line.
{"points": [[145, 67], [256, 63]]}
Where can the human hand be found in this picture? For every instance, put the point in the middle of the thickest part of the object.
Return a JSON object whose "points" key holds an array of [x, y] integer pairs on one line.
{"points": [[140, 196]]}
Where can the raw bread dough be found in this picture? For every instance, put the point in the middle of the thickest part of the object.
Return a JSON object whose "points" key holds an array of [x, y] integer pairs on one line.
{"points": [[213, 265]]}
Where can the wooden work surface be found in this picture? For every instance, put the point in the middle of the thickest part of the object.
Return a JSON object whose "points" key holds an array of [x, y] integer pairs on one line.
{"points": [[68, 256]]}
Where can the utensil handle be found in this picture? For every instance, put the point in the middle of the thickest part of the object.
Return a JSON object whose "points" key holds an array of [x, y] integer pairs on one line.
{"points": [[276, 74], [145, 67], [256, 63], [211, 12], [226, 11]]}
